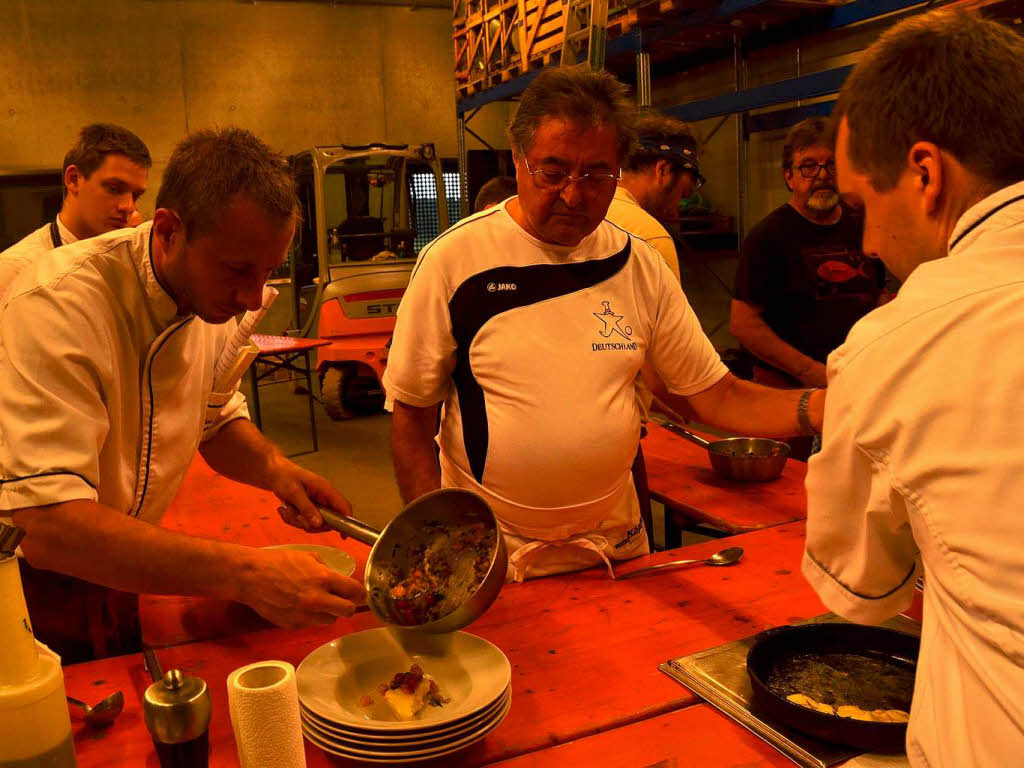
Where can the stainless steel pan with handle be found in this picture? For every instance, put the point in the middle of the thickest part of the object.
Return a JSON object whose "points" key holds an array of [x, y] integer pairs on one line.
{"points": [[743, 459], [451, 538]]}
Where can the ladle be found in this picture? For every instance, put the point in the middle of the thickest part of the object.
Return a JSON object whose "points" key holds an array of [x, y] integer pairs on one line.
{"points": [[104, 713], [725, 557]]}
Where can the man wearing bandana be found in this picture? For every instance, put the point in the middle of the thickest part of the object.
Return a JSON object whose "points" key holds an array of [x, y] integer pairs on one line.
{"points": [[660, 171]]}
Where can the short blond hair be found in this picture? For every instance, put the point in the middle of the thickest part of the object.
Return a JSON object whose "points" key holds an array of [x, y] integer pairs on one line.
{"points": [[208, 168]]}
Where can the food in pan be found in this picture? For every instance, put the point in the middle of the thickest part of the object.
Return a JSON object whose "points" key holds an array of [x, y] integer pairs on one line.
{"points": [[408, 693], [851, 711], [737, 453], [856, 686], [450, 564]]}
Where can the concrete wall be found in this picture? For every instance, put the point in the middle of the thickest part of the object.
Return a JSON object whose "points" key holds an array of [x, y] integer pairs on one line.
{"points": [[297, 74]]}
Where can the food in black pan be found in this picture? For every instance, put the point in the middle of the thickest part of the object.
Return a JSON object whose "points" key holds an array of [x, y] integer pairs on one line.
{"points": [[852, 685], [851, 711]]}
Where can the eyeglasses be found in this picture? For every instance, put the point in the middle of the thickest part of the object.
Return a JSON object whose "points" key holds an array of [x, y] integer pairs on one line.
{"points": [[698, 179], [813, 170], [545, 179]]}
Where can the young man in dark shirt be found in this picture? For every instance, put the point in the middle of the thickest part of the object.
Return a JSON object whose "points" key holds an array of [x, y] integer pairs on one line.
{"points": [[802, 280]]}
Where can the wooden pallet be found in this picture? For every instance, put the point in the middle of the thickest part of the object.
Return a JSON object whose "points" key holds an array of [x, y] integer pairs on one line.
{"points": [[496, 40]]}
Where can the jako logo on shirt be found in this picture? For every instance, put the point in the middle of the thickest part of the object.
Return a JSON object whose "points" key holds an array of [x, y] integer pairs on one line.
{"points": [[492, 287], [612, 324]]}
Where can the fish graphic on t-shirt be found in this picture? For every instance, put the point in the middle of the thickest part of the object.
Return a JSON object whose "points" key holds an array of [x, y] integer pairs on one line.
{"points": [[840, 272]]}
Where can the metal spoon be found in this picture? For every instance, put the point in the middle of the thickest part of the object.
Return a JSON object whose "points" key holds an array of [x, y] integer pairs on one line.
{"points": [[102, 714], [725, 557]]}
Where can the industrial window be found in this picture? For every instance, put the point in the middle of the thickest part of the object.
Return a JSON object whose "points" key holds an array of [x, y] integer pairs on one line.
{"points": [[423, 194]]}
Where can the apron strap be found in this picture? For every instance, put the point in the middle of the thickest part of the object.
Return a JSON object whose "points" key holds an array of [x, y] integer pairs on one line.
{"points": [[55, 234], [520, 559]]}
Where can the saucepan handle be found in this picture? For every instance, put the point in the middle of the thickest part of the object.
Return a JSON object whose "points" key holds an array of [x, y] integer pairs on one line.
{"points": [[349, 526], [685, 433]]}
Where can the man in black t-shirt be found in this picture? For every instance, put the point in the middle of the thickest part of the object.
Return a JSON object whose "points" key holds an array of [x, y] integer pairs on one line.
{"points": [[802, 280]]}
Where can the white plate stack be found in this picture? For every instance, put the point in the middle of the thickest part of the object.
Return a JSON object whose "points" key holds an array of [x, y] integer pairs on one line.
{"points": [[335, 680]]}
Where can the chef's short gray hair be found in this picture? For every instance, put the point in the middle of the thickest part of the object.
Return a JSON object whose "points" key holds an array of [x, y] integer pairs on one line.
{"points": [[209, 168], [578, 95]]}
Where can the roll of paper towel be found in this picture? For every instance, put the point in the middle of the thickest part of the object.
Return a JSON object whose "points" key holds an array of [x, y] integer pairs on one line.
{"points": [[264, 706]]}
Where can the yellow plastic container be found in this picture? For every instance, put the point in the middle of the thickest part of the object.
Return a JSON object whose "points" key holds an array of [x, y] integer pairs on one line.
{"points": [[35, 727]]}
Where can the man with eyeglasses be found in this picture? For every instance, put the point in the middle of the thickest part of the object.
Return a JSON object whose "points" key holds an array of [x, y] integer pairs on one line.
{"points": [[661, 170], [536, 323], [802, 280]]}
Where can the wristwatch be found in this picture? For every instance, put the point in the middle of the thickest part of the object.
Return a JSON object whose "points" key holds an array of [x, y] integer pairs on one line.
{"points": [[802, 416]]}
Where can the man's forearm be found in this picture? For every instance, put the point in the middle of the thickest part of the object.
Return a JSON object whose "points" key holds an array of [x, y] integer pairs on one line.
{"points": [[745, 408], [241, 452], [413, 451], [98, 544]]}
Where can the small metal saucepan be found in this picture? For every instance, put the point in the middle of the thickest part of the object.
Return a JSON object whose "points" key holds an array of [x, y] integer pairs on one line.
{"points": [[450, 535], [744, 459]]}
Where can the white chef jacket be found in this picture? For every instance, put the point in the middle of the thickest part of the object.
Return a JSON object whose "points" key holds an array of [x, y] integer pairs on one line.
{"points": [[30, 248], [535, 351], [105, 392], [922, 464]]}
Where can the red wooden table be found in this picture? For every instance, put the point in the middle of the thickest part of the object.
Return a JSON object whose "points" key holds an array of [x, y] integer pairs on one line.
{"points": [[584, 650], [280, 353], [210, 506], [679, 475], [696, 736]]}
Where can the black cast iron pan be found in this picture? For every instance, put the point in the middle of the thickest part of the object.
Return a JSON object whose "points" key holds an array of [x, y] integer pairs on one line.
{"points": [[868, 667]]}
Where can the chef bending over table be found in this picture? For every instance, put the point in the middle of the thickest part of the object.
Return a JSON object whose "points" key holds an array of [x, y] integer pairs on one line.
{"points": [[921, 460], [107, 355], [532, 323]]}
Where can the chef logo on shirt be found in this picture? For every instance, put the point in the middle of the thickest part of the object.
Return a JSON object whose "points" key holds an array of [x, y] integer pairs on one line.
{"points": [[611, 324], [494, 287]]}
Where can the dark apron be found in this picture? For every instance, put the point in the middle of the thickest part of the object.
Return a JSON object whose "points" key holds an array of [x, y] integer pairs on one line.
{"points": [[78, 620]]}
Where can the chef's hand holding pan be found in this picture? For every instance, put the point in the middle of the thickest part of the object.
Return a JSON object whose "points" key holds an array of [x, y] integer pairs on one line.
{"points": [[302, 492], [295, 589]]}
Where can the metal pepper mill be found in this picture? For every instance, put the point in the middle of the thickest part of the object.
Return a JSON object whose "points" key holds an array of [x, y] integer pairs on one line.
{"points": [[177, 709]]}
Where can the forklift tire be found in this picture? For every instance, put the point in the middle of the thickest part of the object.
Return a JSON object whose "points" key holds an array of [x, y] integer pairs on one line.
{"points": [[332, 392]]}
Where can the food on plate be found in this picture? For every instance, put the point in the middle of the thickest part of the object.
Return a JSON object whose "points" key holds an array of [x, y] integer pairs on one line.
{"points": [[851, 711], [408, 693], [449, 565]]}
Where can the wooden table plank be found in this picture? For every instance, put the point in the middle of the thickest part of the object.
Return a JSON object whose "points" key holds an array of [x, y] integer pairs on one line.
{"points": [[680, 476], [697, 735], [584, 649], [211, 506]]}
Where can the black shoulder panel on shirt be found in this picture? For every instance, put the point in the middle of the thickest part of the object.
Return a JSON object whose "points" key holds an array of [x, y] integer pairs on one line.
{"points": [[492, 292]]}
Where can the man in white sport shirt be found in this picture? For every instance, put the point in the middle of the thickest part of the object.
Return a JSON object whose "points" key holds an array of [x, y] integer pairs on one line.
{"points": [[532, 321], [105, 173], [107, 355], [921, 460]]}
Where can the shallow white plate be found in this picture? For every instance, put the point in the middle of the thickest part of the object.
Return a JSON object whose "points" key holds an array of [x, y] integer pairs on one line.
{"points": [[424, 739], [336, 559], [410, 756], [470, 671]]}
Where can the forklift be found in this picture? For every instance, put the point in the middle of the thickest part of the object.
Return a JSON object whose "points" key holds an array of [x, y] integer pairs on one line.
{"points": [[367, 211]]}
